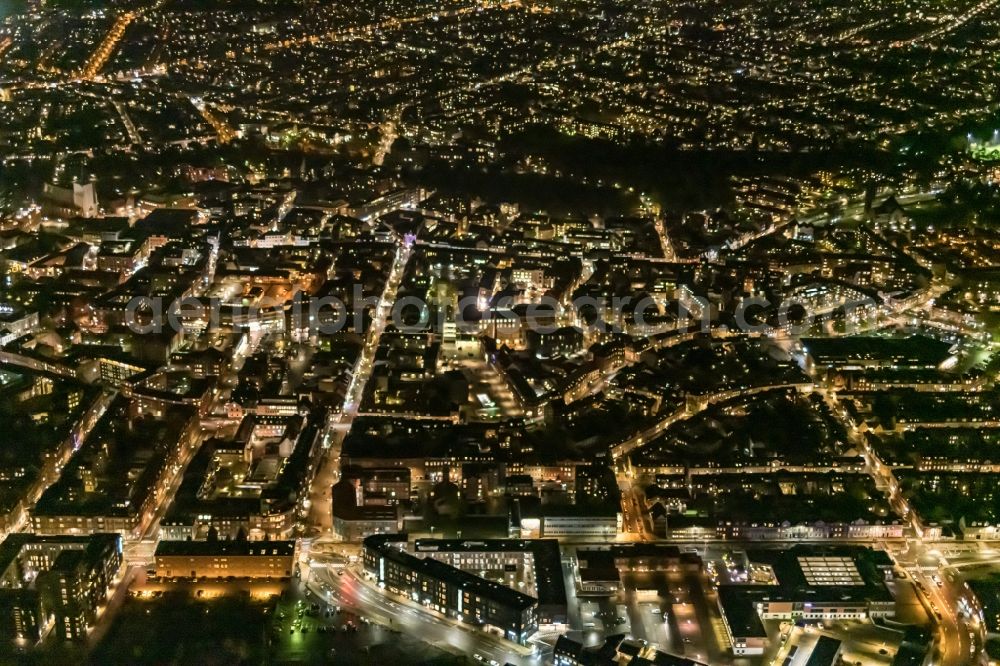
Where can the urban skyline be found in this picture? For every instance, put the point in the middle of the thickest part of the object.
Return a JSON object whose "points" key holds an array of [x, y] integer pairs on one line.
{"points": [[500, 331]]}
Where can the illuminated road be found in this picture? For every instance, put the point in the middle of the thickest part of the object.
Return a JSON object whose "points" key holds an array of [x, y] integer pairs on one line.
{"points": [[223, 131], [49, 473], [649, 434], [167, 486], [320, 520], [350, 591], [363, 368], [130, 128], [954, 646], [634, 516], [389, 132], [320, 509], [951, 26], [107, 47]]}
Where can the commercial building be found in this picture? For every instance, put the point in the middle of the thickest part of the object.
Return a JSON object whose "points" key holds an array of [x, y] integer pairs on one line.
{"points": [[654, 557], [379, 486], [747, 635], [599, 568], [55, 583], [596, 573], [616, 650], [225, 559], [826, 652], [571, 525], [356, 523], [391, 201], [809, 583], [468, 598], [785, 531], [353, 520]]}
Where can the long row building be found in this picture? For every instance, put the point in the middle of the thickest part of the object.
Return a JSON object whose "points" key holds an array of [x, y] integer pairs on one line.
{"points": [[438, 574]]}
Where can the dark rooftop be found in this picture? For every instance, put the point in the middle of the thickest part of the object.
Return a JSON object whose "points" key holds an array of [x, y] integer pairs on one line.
{"points": [[549, 581], [915, 350], [826, 652], [224, 547], [464, 580]]}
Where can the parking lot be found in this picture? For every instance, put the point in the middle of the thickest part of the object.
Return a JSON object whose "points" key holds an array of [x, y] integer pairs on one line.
{"points": [[671, 611], [862, 642]]}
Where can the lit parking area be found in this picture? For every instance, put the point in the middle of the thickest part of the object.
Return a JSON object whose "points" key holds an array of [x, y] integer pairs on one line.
{"points": [[862, 642], [208, 589], [673, 612]]}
